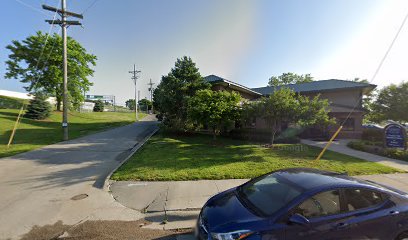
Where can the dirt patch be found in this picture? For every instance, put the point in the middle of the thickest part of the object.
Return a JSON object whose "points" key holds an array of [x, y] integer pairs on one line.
{"points": [[103, 230]]}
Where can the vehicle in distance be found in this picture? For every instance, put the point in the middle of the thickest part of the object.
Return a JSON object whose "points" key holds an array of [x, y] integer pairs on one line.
{"points": [[301, 203]]}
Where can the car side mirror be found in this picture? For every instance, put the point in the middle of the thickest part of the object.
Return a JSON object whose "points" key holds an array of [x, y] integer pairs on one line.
{"points": [[299, 219]]}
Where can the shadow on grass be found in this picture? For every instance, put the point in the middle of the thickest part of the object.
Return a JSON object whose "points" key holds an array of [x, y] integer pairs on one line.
{"points": [[89, 158], [177, 157]]}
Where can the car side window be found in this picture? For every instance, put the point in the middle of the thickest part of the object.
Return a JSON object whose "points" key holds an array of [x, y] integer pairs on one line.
{"points": [[362, 198], [321, 204]]}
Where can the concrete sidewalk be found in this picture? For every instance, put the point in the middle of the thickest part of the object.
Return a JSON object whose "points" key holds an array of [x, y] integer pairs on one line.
{"points": [[64, 181], [177, 204], [340, 146]]}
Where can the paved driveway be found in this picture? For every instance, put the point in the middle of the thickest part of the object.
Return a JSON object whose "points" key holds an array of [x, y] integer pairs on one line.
{"points": [[39, 187]]}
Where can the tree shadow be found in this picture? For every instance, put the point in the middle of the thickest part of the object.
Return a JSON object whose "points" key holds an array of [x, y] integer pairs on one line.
{"points": [[89, 158], [168, 157]]}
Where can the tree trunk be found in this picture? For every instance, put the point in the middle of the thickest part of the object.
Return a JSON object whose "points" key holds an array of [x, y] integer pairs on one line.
{"points": [[214, 134], [58, 104], [273, 137], [274, 130]]}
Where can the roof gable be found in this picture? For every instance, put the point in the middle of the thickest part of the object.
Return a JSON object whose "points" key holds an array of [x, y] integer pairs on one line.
{"points": [[213, 79]]}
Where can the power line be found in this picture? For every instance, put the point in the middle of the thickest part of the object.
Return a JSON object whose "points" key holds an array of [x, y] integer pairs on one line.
{"points": [[45, 44], [90, 6], [377, 70], [32, 7]]}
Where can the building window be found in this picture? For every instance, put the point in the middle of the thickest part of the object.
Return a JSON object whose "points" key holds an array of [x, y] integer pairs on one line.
{"points": [[348, 125]]}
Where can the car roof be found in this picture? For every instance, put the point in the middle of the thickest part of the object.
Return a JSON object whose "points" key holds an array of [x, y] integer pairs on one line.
{"points": [[308, 178]]}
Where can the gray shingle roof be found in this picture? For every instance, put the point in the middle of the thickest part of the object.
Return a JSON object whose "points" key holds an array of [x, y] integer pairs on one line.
{"points": [[319, 86]]}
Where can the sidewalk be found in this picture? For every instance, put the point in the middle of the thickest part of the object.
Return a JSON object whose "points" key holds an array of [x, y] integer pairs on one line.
{"points": [[64, 181], [178, 203], [340, 146]]}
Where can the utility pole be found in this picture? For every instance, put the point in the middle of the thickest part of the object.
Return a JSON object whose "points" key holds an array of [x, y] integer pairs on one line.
{"points": [[64, 23], [151, 92], [134, 78]]}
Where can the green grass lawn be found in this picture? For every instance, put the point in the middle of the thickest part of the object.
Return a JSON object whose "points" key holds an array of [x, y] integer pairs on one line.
{"points": [[32, 134], [167, 157]]}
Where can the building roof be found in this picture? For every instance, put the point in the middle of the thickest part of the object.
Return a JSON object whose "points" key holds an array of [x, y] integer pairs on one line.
{"points": [[319, 86], [213, 79]]}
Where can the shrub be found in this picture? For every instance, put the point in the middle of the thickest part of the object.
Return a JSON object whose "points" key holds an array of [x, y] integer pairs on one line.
{"points": [[159, 117], [396, 153], [371, 148], [357, 145], [38, 108], [99, 106]]}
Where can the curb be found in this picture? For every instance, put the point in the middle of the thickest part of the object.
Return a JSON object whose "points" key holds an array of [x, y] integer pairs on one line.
{"points": [[107, 183]]}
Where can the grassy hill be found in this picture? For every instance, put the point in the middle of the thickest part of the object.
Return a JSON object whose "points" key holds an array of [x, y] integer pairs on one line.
{"points": [[11, 103], [32, 134]]}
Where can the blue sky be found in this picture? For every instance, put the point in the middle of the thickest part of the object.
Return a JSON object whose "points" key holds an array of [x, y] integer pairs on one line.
{"points": [[243, 41]]}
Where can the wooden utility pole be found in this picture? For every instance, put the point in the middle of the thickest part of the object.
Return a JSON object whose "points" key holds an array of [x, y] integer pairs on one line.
{"points": [[151, 92], [64, 23], [134, 78]]}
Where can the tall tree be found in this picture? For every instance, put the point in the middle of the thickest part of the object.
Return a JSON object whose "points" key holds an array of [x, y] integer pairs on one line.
{"points": [[391, 103], [130, 103], [285, 106], [172, 94], [281, 106], [40, 66], [216, 109], [289, 78], [145, 104]]}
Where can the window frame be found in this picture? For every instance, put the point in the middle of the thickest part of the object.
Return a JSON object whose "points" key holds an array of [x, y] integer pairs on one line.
{"points": [[344, 212], [384, 199], [341, 201]]}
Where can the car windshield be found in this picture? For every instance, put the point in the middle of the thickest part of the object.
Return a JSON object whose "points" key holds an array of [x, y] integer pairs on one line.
{"points": [[269, 193]]}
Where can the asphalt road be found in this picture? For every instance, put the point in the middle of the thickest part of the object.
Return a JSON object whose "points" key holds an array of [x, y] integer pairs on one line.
{"points": [[47, 185]]}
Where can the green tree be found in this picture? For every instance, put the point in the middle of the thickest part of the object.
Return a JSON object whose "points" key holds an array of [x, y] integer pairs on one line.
{"points": [[41, 69], [281, 106], [285, 106], [391, 103], [130, 103], [216, 109], [38, 108], [314, 112], [172, 94], [99, 106], [289, 78], [145, 104]]}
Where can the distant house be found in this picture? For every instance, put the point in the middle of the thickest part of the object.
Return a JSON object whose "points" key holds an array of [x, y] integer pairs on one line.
{"points": [[343, 96]]}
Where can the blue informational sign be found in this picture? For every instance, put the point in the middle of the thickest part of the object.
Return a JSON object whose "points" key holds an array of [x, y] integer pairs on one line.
{"points": [[395, 136]]}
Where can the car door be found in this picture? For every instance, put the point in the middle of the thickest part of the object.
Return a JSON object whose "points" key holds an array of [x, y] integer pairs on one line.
{"points": [[325, 213], [369, 214]]}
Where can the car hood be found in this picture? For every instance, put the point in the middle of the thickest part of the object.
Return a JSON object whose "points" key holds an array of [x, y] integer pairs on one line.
{"points": [[225, 212]]}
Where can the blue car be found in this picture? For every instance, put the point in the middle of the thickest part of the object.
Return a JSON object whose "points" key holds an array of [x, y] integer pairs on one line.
{"points": [[301, 203]]}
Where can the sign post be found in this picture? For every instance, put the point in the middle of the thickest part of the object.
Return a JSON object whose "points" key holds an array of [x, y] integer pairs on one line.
{"points": [[395, 136]]}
